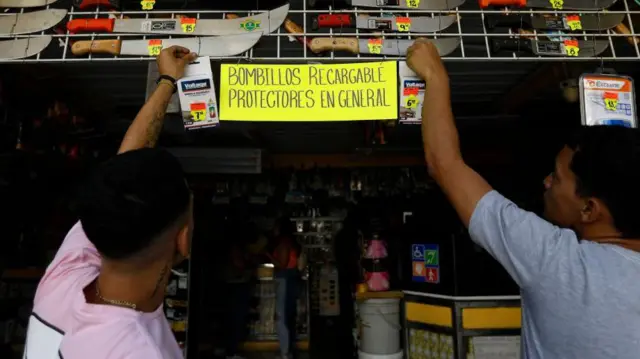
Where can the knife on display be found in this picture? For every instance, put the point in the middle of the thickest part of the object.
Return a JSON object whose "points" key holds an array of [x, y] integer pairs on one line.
{"points": [[394, 4], [21, 48], [266, 22], [25, 3], [30, 22], [551, 4], [215, 46], [385, 23], [567, 48], [568, 22], [377, 46]]}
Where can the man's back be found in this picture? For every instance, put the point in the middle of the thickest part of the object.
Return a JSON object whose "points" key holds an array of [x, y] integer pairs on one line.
{"points": [[63, 322], [579, 299]]}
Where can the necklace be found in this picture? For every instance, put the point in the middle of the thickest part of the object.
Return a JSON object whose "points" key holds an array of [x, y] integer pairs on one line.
{"points": [[120, 303]]}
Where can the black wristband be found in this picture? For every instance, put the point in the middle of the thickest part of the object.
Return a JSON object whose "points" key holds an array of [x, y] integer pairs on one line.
{"points": [[170, 79]]}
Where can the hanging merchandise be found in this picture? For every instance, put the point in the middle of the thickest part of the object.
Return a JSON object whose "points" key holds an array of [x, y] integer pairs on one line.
{"points": [[565, 48], [265, 22], [328, 290], [386, 23], [391, 4], [607, 99], [411, 95], [378, 46], [566, 22], [376, 276], [219, 46], [198, 96], [21, 48], [30, 22], [551, 4]]}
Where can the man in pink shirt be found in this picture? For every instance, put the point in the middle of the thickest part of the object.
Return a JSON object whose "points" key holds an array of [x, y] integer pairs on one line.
{"points": [[101, 297]]}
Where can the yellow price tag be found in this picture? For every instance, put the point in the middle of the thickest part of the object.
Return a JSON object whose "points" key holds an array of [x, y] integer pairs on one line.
{"points": [[198, 111], [188, 25], [155, 46], [411, 101], [611, 101], [147, 4], [556, 4], [413, 3], [571, 48], [403, 24], [574, 23], [375, 46]]}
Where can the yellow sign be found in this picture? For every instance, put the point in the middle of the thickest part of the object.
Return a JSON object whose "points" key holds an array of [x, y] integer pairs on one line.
{"points": [[557, 4], [309, 92], [413, 3], [147, 4]]}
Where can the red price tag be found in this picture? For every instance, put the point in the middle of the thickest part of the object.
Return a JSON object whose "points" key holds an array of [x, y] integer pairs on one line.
{"points": [[574, 23], [403, 24], [410, 91], [611, 101], [375, 46], [571, 47], [198, 111], [188, 24], [155, 46]]}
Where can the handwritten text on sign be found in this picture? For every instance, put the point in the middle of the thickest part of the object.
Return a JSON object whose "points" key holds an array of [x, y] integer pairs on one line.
{"points": [[310, 92]]}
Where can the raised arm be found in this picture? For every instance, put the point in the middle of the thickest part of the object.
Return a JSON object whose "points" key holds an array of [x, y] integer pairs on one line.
{"points": [[462, 185], [145, 128]]}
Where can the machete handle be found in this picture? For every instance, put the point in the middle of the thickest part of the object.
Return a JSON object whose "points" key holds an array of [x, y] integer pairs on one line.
{"points": [[493, 21], [85, 4], [515, 45], [91, 25], [322, 44], [486, 3], [84, 47], [333, 21], [623, 29]]}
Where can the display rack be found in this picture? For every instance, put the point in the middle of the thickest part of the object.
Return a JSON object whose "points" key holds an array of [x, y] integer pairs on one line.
{"points": [[280, 46]]}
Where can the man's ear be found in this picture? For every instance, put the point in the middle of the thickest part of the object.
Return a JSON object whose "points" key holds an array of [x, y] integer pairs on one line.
{"points": [[183, 242], [592, 211]]}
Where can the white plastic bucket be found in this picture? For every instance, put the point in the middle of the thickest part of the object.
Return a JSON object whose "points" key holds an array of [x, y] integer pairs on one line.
{"points": [[380, 320]]}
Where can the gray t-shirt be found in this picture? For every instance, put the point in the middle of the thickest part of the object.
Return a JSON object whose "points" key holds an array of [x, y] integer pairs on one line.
{"points": [[580, 299]]}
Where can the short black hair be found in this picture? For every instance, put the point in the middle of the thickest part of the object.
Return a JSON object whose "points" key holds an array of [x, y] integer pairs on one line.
{"points": [[606, 163], [130, 199]]}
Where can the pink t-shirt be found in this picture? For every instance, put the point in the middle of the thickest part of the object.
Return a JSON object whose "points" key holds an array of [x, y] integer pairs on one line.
{"points": [[63, 325]]}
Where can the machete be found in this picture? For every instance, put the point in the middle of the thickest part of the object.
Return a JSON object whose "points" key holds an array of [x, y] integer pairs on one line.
{"points": [[215, 46], [266, 22], [567, 48], [570, 22], [30, 22], [551, 4], [376, 46], [395, 4], [21, 48], [25, 3], [386, 23]]}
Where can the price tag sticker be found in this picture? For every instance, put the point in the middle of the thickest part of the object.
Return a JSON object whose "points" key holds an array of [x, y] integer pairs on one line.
{"points": [[574, 23], [198, 111], [411, 97], [413, 4], [188, 24], [155, 46], [375, 46], [556, 4], [147, 4], [571, 48], [610, 101], [403, 24]]}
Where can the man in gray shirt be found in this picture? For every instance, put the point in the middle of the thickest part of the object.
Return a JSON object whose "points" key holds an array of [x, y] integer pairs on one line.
{"points": [[580, 285]]}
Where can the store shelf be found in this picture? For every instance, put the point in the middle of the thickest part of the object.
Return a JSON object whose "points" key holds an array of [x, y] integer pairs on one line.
{"points": [[280, 46]]}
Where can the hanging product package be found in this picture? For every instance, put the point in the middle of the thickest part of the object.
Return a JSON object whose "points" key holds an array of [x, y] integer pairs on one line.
{"points": [[607, 99], [197, 94], [411, 95]]}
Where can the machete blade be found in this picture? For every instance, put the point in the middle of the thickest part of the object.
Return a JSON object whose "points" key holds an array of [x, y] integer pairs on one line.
{"points": [[30, 22]]}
